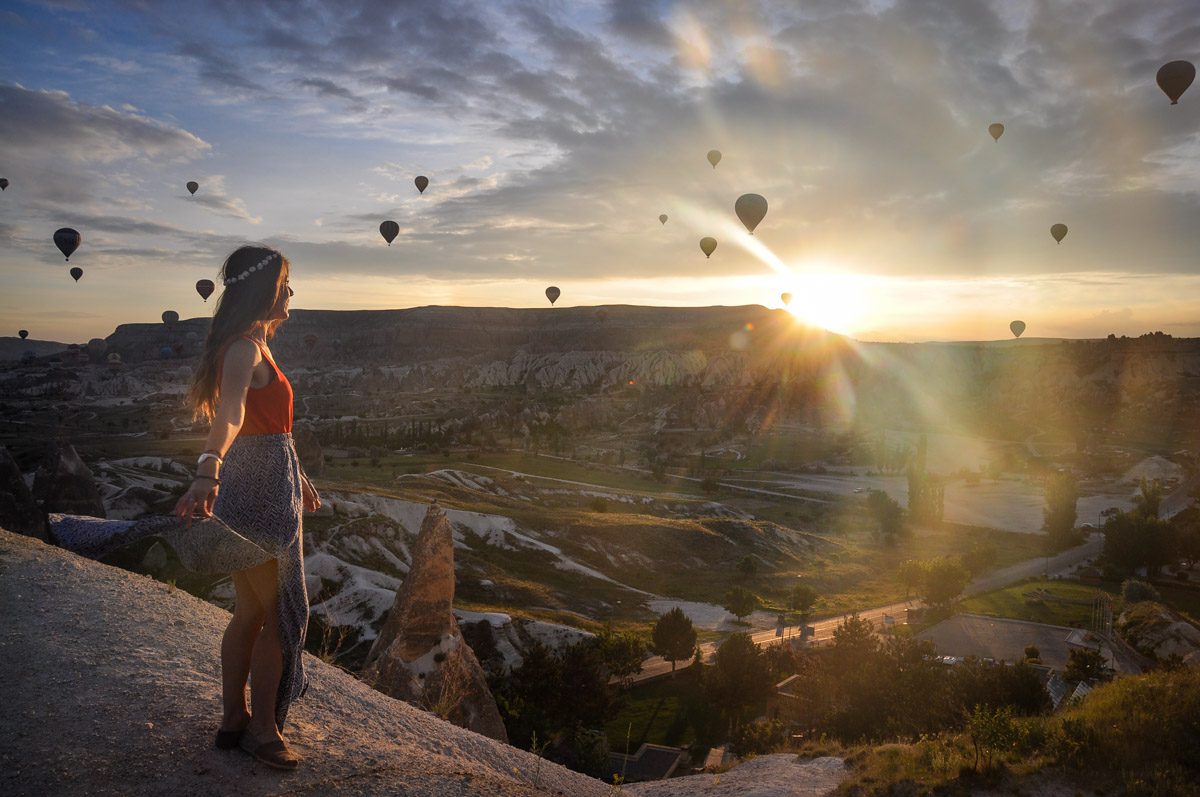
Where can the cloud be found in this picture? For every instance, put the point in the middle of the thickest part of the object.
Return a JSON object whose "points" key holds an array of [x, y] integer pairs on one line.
{"points": [[35, 123], [212, 195]]}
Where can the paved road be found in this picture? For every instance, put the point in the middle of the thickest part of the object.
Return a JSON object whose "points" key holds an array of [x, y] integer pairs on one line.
{"points": [[656, 666]]}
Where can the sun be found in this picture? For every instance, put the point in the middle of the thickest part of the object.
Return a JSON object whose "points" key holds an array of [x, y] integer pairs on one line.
{"points": [[835, 301]]}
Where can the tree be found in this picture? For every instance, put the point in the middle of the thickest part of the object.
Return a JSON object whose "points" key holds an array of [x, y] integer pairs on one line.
{"points": [[1085, 664], [674, 637], [1149, 498], [622, 652], [801, 600], [911, 574], [887, 513], [740, 602], [855, 638], [945, 579], [1133, 540], [992, 731], [747, 568], [739, 679], [1062, 495]]}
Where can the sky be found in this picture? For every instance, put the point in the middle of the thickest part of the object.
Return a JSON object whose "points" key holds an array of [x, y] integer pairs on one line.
{"points": [[553, 135]]}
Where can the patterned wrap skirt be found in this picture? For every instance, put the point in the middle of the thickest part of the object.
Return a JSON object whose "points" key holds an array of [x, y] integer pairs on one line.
{"points": [[258, 516]]}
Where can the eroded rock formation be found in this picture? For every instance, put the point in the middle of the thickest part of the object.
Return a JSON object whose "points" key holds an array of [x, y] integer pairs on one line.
{"points": [[18, 509], [308, 449], [420, 656], [64, 484]]}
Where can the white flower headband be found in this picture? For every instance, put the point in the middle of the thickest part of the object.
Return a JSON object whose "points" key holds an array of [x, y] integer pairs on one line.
{"points": [[256, 267]]}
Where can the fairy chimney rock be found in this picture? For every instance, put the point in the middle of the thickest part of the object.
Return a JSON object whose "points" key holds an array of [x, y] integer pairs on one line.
{"points": [[64, 484], [18, 510], [420, 656]]}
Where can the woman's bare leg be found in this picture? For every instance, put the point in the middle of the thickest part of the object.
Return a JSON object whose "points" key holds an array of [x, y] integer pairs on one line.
{"points": [[236, 647], [266, 662]]}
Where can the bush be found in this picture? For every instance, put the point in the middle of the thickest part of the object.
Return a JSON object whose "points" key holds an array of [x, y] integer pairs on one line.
{"points": [[757, 738], [1032, 653], [598, 504], [1134, 591]]}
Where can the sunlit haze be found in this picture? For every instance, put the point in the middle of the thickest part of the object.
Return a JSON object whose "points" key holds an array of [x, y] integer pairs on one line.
{"points": [[554, 134]]}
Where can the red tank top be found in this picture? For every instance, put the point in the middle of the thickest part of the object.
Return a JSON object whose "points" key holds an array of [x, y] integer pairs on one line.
{"points": [[268, 408]]}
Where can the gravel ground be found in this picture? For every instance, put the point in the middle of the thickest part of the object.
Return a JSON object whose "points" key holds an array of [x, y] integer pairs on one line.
{"points": [[110, 685]]}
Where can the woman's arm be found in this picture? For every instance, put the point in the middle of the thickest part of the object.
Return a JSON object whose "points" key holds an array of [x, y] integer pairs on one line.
{"points": [[240, 360]]}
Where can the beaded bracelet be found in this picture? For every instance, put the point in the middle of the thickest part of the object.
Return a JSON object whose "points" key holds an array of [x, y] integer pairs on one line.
{"points": [[212, 479]]}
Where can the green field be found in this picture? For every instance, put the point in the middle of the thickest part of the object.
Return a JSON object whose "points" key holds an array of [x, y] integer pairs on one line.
{"points": [[1011, 602]]}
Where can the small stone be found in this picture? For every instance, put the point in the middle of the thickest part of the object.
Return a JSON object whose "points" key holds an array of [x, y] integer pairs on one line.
{"points": [[149, 726]]}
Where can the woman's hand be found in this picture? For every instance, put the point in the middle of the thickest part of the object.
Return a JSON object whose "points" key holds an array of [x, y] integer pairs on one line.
{"points": [[198, 500], [312, 501]]}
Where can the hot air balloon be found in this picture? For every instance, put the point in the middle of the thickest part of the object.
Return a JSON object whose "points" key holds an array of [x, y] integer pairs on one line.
{"points": [[165, 352], [205, 288], [114, 358], [786, 298], [422, 183], [1059, 231], [191, 336], [1017, 328], [663, 218], [310, 341], [169, 317], [23, 333], [708, 246], [552, 293], [76, 272], [67, 241], [97, 347], [714, 157], [1174, 79], [750, 208], [996, 129], [3, 183], [193, 187], [389, 230]]}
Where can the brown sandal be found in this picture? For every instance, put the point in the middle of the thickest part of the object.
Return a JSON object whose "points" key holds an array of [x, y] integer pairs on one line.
{"points": [[274, 753]]}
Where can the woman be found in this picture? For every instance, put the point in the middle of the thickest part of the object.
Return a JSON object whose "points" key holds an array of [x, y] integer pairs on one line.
{"points": [[250, 478], [243, 511]]}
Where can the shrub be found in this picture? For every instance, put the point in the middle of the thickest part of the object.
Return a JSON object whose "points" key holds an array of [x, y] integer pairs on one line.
{"points": [[598, 504], [1134, 591]]}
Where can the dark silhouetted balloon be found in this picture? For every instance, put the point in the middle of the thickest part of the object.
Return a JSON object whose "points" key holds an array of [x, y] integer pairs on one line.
{"points": [[786, 298], [1059, 231], [1017, 328], [97, 346], [67, 241], [663, 218], [708, 246], [114, 358], [205, 288], [750, 208], [76, 272], [193, 187], [714, 157], [552, 293], [996, 129], [24, 333], [310, 341], [1174, 79], [170, 317], [389, 230], [165, 352], [3, 183], [422, 183]]}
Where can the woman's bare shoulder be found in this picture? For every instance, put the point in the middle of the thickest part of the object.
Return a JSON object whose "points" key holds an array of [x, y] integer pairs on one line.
{"points": [[241, 355]]}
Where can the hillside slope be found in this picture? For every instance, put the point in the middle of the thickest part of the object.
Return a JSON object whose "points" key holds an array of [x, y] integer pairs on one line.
{"points": [[110, 685]]}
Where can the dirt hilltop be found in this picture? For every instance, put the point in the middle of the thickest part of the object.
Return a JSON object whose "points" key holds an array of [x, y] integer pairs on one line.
{"points": [[110, 684]]}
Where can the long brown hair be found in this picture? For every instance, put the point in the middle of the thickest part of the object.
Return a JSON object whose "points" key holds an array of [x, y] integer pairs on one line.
{"points": [[241, 305]]}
